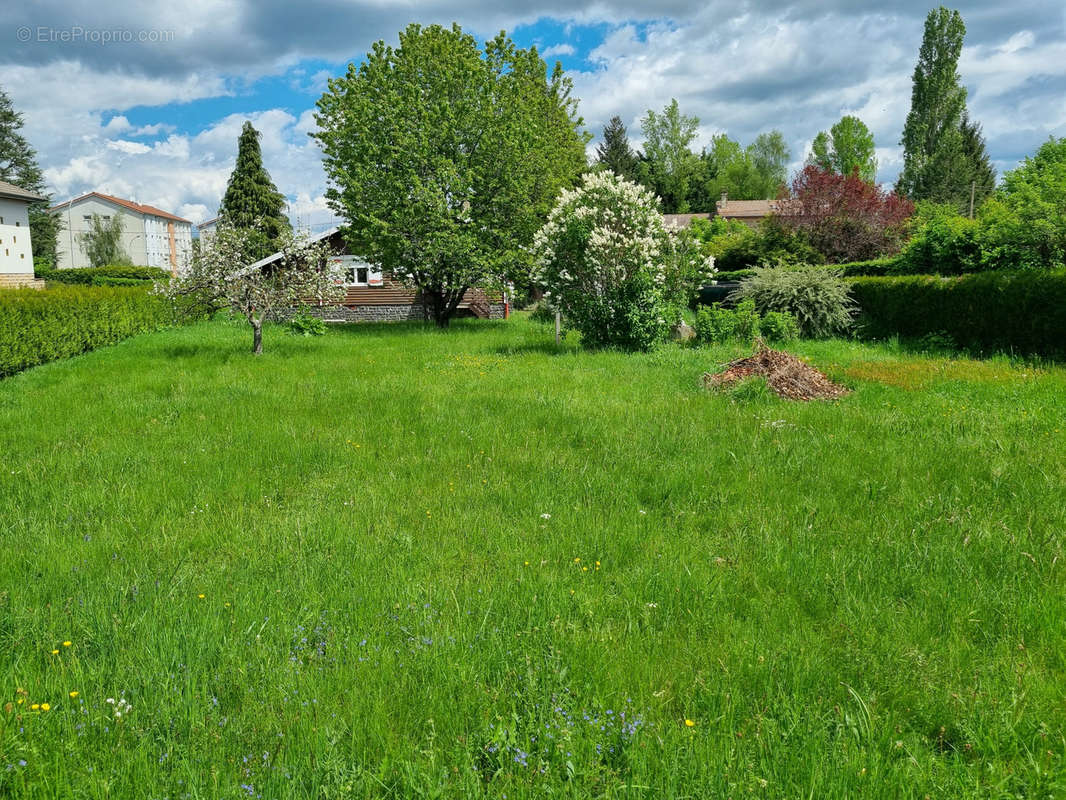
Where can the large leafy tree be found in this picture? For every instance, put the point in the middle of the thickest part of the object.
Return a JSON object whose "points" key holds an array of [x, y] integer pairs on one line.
{"points": [[18, 165], [845, 148], [445, 159], [670, 165], [943, 152], [615, 152], [981, 172], [252, 202], [755, 172]]}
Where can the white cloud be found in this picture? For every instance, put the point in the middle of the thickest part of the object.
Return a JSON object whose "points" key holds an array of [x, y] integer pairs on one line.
{"points": [[557, 50]]}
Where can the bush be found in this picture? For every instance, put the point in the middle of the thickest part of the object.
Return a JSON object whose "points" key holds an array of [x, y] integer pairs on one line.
{"points": [[777, 326], [892, 265], [716, 325], [89, 276], [1021, 311], [305, 324], [611, 267], [542, 312], [37, 326], [818, 297], [738, 247]]}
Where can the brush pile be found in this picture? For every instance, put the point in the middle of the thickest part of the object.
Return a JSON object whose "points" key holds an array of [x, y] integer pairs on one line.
{"points": [[785, 374]]}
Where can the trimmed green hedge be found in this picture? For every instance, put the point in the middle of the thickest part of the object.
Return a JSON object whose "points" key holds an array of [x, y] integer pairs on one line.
{"points": [[1022, 312], [101, 276], [41, 325]]}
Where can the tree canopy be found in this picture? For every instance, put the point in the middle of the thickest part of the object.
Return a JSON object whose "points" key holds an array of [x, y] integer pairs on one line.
{"points": [[252, 202], [18, 165], [755, 172], [670, 166], [445, 159], [943, 152], [846, 148]]}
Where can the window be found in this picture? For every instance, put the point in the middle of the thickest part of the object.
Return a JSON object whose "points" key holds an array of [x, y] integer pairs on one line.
{"points": [[357, 276]]}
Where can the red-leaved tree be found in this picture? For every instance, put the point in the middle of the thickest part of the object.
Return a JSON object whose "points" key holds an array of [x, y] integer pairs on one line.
{"points": [[844, 217]]}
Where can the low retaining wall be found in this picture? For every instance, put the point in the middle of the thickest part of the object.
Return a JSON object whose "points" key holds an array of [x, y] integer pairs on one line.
{"points": [[18, 280], [384, 313]]}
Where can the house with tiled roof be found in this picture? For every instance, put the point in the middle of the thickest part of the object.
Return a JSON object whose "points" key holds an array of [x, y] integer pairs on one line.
{"points": [[150, 236], [750, 212], [16, 251]]}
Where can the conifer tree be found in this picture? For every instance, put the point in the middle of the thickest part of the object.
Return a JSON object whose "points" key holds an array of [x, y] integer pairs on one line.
{"points": [[252, 201], [615, 153], [982, 173], [18, 165], [938, 164]]}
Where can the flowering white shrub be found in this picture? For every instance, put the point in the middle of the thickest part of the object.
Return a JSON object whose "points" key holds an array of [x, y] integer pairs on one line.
{"points": [[611, 267]]}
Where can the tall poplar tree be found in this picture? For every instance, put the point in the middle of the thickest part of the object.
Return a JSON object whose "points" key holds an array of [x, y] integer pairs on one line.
{"points": [[615, 152], [938, 163], [252, 201], [18, 165]]}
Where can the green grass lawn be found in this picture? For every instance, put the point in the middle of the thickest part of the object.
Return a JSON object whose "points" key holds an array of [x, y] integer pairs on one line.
{"points": [[394, 562]]}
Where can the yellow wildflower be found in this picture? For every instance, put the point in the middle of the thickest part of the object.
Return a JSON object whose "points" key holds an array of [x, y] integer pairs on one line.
{"points": [[35, 706], [55, 652], [66, 644], [201, 596], [690, 723], [73, 695], [45, 707]]}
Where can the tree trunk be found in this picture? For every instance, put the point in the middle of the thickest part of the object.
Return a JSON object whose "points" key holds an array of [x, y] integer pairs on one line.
{"points": [[257, 337]]}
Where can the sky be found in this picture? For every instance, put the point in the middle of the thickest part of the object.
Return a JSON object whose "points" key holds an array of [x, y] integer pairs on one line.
{"points": [[146, 101]]}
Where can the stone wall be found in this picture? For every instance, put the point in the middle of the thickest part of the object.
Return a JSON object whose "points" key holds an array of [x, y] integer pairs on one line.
{"points": [[17, 280], [386, 313]]}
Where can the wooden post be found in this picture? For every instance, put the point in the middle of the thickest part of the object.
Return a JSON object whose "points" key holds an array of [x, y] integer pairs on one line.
{"points": [[558, 326], [973, 188]]}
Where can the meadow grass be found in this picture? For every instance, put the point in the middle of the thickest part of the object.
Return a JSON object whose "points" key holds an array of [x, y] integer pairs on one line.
{"points": [[397, 562]]}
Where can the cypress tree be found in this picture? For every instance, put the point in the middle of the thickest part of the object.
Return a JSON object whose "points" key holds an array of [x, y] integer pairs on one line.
{"points": [[615, 152], [252, 201], [18, 165]]}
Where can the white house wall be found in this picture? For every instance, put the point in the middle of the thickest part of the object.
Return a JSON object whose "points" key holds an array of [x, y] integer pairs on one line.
{"points": [[16, 254]]}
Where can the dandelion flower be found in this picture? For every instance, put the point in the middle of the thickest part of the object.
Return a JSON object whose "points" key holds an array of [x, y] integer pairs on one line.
{"points": [[201, 596], [73, 695], [66, 644], [45, 707], [577, 560], [690, 723], [35, 706], [55, 652]]}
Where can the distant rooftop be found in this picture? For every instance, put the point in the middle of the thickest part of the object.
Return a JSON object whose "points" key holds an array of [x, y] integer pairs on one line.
{"points": [[138, 207], [13, 192]]}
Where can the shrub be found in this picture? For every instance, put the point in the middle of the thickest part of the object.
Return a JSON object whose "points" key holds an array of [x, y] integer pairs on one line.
{"points": [[891, 265], [37, 326], [714, 324], [777, 326], [741, 247], [611, 267], [818, 297], [88, 276], [304, 324], [1021, 311], [542, 312], [844, 217]]}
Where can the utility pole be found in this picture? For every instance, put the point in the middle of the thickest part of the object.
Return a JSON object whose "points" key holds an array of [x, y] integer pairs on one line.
{"points": [[973, 188]]}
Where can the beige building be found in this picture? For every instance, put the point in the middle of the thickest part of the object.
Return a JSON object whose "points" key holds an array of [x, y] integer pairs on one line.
{"points": [[150, 236], [16, 252]]}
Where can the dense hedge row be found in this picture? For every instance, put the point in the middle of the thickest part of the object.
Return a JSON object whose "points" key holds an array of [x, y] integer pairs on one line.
{"points": [[1022, 312], [103, 276], [37, 326]]}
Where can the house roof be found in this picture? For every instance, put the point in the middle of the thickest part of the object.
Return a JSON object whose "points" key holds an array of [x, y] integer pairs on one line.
{"points": [[207, 223], [13, 192], [138, 207], [746, 208], [682, 220], [318, 237]]}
